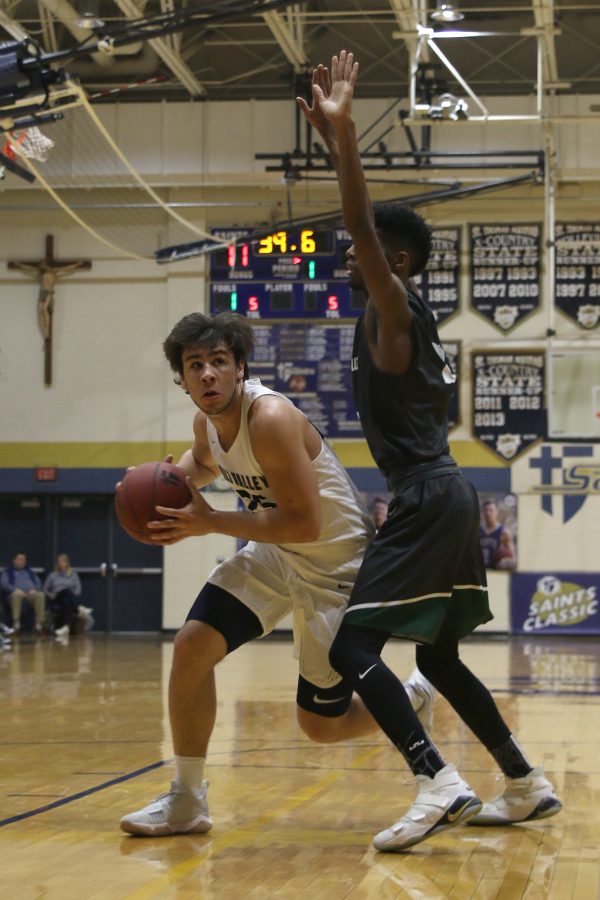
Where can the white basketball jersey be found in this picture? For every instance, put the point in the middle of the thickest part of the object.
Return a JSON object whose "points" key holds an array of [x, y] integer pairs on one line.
{"points": [[344, 516]]}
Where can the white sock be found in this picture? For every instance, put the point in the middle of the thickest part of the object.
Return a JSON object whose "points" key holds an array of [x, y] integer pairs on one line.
{"points": [[189, 772]]}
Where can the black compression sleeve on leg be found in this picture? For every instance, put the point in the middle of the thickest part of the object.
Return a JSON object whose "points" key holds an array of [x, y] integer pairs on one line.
{"points": [[511, 759], [356, 655], [470, 698]]}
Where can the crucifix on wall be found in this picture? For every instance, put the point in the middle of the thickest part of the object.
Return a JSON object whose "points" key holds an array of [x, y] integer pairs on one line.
{"points": [[49, 271]]}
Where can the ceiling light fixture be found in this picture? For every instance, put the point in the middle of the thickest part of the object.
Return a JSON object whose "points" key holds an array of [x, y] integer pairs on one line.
{"points": [[446, 12], [444, 106], [88, 12]]}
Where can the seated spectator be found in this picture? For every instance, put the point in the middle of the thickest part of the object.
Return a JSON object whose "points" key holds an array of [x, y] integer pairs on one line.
{"points": [[21, 583], [5, 630], [63, 589]]}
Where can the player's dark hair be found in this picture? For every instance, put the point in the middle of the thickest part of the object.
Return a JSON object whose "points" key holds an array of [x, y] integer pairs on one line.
{"points": [[198, 330], [489, 503], [404, 229]]}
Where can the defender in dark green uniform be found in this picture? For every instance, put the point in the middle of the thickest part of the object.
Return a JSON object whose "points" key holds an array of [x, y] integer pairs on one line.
{"points": [[423, 576], [424, 566]]}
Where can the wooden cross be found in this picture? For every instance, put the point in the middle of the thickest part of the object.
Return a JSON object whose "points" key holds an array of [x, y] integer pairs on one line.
{"points": [[49, 270]]}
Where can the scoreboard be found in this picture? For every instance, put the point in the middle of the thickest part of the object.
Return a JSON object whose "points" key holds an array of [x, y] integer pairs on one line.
{"points": [[287, 299], [285, 255], [301, 274], [290, 274]]}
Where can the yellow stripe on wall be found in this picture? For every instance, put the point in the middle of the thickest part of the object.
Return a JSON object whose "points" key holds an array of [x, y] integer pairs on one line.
{"points": [[470, 454], [86, 454], [109, 455]]}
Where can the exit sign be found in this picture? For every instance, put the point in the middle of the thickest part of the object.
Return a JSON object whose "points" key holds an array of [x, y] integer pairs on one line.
{"points": [[46, 473]]}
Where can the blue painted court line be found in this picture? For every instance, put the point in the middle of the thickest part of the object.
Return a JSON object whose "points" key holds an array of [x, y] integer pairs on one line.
{"points": [[93, 790]]}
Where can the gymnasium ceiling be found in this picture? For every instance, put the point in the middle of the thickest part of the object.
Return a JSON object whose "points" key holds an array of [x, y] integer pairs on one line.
{"points": [[267, 56]]}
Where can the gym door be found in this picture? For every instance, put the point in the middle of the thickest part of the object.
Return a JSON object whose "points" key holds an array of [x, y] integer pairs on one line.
{"points": [[121, 578]]}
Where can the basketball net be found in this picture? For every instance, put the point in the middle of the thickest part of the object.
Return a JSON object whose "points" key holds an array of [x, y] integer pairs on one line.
{"points": [[28, 142]]}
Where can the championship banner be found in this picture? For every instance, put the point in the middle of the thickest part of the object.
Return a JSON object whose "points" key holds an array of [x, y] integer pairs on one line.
{"points": [[452, 349], [577, 272], [509, 413], [505, 272], [438, 284], [561, 603]]}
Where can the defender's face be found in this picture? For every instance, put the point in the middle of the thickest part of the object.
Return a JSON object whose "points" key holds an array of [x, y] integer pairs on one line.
{"points": [[398, 261], [211, 378], [355, 279]]}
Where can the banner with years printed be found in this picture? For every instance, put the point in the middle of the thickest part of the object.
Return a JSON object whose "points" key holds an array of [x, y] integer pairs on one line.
{"points": [[509, 412], [439, 283], [577, 272], [505, 272]]}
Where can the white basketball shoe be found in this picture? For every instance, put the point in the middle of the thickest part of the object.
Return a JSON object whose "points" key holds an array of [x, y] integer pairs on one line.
{"points": [[421, 694], [524, 800], [442, 802], [176, 812]]}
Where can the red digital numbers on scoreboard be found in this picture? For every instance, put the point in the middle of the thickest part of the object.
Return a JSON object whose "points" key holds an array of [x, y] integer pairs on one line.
{"points": [[232, 254]]}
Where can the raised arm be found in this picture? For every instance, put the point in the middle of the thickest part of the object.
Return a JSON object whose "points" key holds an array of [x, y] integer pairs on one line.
{"points": [[314, 115], [391, 347]]}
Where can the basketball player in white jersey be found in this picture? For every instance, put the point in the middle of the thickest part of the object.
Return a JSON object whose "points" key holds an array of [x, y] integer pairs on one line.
{"points": [[306, 528]]}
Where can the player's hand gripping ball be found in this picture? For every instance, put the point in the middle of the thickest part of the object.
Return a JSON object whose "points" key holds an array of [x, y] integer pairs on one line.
{"points": [[144, 488]]}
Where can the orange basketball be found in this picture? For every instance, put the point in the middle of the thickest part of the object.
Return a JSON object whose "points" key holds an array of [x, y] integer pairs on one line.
{"points": [[144, 488]]}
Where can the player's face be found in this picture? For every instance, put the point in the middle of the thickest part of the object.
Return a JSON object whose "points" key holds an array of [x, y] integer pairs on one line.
{"points": [[355, 279], [212, 378], [490, 514], [380, 512], [398, 260], [20, 561]]}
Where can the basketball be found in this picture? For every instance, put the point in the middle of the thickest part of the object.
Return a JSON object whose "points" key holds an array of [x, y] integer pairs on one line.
{"points": [[142, 489]]}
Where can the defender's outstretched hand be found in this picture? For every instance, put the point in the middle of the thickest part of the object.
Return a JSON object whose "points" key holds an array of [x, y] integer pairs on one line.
{"points": [[313, 114], [338, 103]]}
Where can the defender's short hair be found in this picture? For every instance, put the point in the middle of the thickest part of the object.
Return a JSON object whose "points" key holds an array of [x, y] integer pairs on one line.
{"points": [[406, 230]]}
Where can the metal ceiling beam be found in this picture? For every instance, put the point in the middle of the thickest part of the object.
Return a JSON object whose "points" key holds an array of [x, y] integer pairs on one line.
{"points": [[15, 29], [290, 36], [543, 11], [407, 18], [173, 40], [48, 29], [166, 53], [68, 15]]}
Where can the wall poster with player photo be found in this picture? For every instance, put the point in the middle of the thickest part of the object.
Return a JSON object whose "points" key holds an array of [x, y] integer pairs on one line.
{"points": [[498, 530], [497, 527], [377, 504]]}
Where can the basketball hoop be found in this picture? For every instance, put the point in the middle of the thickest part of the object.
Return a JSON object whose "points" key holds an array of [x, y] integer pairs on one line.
{"points": [[28, 142]]}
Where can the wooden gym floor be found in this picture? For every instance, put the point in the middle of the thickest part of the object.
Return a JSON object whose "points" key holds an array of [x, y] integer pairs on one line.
{"points": [[85, 739]]}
